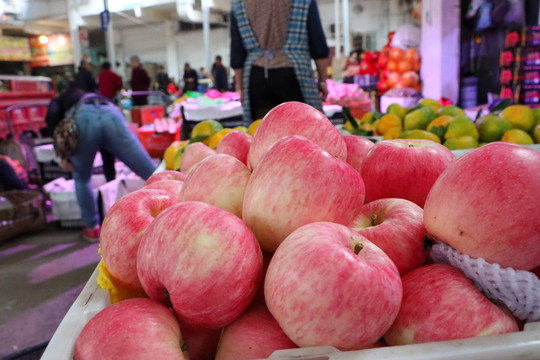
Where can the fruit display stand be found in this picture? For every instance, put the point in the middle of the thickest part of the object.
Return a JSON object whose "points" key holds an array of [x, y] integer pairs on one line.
{"points": [[519, 345], [524, 344]]}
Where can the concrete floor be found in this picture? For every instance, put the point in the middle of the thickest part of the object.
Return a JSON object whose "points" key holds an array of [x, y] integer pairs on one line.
{"points": [[41, 275]]}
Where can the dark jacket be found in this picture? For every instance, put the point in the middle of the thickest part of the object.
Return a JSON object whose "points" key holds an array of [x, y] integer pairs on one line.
{"points": [[163, 82], [84, 80], [220, 78], [140, 81], [59, 106], [191, 81]]}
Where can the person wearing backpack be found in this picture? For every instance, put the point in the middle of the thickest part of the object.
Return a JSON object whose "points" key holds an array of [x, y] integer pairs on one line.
{"points": [[82, 124]]}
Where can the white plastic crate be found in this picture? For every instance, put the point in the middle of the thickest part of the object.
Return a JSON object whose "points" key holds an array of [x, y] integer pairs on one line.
{"points": [[523, 345], [64, 200], [112, 191]]}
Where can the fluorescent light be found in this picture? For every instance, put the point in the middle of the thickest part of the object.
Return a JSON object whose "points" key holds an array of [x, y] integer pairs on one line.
{"points": [[208, 3], [137, 10]]}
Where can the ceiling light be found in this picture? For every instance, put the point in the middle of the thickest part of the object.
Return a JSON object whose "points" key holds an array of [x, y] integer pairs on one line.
{"points": [[43, 39], [137, 10]]}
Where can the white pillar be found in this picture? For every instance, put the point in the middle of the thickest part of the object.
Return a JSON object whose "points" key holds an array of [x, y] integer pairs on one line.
{"points": [[337, 29], [206, 33], [346, 31], [172, 52], [74, 22], [109, 37], [440, 49]]}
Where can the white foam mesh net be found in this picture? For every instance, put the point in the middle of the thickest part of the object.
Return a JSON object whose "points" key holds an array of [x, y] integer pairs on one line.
{"points": [[519, 290]]}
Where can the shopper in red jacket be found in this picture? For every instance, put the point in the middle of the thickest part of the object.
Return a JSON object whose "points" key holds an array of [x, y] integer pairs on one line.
{"points": [[109, 82], [140, 81]]}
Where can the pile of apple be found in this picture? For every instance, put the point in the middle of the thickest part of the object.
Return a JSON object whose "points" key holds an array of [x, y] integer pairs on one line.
{"points": [[304, 237]]}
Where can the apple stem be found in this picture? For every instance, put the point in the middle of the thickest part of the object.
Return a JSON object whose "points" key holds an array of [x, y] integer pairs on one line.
{"points": [[357, 248], [411, 145], [184, 347], [373, 219]]}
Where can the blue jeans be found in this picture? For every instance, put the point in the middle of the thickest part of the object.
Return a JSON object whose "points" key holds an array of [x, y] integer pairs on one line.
{"points": [[103, 126]]}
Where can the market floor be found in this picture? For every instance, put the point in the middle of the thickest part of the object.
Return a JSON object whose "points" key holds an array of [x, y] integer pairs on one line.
{"points": [[41, 275]]}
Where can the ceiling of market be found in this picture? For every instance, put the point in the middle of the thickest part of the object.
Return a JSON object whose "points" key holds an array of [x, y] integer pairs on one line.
{"points": [[56, 19]]}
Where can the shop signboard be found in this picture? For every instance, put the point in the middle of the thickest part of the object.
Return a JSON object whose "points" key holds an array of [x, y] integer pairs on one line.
{"points": [[39, 52], [51, 50], [105, 18], [14, 48], [60, 49]]}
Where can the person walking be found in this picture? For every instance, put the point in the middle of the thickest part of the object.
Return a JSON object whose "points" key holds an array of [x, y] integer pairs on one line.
{"points": [[109, 85], [84, 80], [109, 82], [60, 83], [162, 80], [140, 81], [219, 73], [272, 44], [191, 80], [100, 124]]}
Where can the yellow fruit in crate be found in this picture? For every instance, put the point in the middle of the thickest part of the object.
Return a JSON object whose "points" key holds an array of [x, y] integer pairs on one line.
{"points": [[430, 103], [178, 156], [461, 142], [536, 112], [206, 127], [450, 110], [241, 128], [440, 121], [387, 122], [397, 110], [536, 134], [117, 292], [393, 133], [492, 128], [253, 127], [349, 127], [519, 116], [418, 119], [517, 136], [370, 127], [419, 134], [170, 154], [216, 138], [461, 125], [368, 118]]}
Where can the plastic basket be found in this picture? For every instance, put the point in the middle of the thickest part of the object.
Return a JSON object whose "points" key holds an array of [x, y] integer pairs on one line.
{"points": [[21, 211], [151, 112], [524, 345], [155, 143]]}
